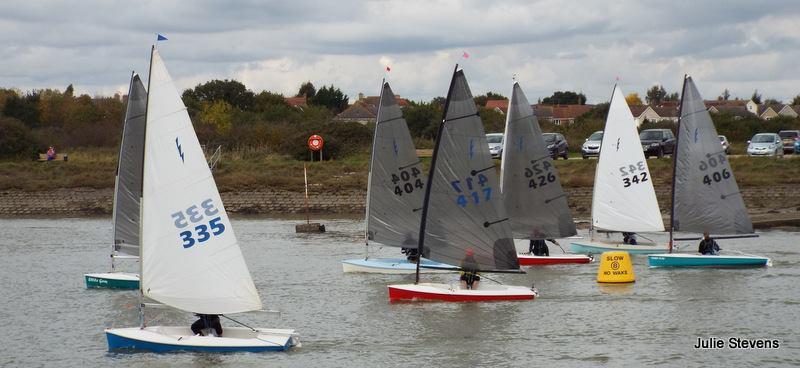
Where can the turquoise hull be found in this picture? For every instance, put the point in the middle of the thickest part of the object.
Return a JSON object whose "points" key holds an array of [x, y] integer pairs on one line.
{"points": [[694, 260], [599, 248], [100, 282]]}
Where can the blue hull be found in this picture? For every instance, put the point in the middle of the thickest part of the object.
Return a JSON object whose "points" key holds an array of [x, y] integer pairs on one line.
{"points": [[667, 260], [117, 343], [594, 248]]}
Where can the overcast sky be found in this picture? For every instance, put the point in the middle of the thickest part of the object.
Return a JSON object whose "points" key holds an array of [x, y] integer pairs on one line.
{"points": [[275, 45]]}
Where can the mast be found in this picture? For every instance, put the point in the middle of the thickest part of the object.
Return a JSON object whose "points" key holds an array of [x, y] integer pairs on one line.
{"points": [[141, 247], [369, 174], [430, 175], [596, 171], [675, 165]]}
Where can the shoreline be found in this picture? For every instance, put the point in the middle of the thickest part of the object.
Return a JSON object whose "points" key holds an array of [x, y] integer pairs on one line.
{"points": [[769, 207]]}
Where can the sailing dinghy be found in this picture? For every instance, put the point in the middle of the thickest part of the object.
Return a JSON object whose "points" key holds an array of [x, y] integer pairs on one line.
{"points": [[705, 195], [463, 215], [536, 203], [190, 258], [395, 191], [623, 198], [127, 193]]}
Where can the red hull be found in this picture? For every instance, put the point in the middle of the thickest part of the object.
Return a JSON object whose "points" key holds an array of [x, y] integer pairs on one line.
{"points": [[401, 294], [539, 261]]}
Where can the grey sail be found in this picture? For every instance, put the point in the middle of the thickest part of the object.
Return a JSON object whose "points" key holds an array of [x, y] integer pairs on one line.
{"points": [[532, 192], [396, 181], [464, 208], [706, 197], [128, 189]]}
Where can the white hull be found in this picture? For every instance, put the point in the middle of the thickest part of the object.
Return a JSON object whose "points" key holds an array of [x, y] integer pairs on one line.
{"points": [[454, 292], [392, 266]]}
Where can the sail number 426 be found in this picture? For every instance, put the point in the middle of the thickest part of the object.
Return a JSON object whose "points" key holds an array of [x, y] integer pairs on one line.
{"points": [[197, 215]]}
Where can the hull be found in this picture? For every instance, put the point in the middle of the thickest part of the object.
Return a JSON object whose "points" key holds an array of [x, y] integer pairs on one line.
{"points": [[112, 280], [454, 293], [177, 338], [599, 247], [696, 260], [391, 266], [531, 260]]}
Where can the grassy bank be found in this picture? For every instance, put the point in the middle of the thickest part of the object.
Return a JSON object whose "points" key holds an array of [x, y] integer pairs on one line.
{"points": [[254, 170]]}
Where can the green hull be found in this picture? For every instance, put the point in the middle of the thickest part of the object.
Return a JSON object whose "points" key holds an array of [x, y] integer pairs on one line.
{"points": [[94, 282]]}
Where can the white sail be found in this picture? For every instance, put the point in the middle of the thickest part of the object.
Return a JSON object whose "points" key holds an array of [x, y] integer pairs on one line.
{"points": [[190, 257], [624, 198]]}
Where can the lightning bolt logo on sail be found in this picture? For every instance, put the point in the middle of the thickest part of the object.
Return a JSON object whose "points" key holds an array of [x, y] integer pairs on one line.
{"points": [[180, 152]]}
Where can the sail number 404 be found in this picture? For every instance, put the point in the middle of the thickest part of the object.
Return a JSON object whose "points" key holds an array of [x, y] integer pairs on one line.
{"points": [[197, 215], [633, 174], [409, 181], [473, 191]]}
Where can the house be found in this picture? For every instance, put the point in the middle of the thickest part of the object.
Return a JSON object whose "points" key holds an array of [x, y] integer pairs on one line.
{"points": [[365, 109], [297, 102], [767, 112], [790, 111], [500, 106], [667, 113], [642, 113], [738, 112], [566, 114]]}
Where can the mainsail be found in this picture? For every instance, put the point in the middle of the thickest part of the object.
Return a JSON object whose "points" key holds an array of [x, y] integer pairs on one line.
{"points": [[531, 190], [128, 188], [624, 198], [464, 208], [706, 197], [190, 257], [396, 187]]}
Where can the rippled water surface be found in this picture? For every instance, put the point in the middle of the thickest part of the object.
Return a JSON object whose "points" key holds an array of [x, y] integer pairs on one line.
{"points": [[51, 319]]}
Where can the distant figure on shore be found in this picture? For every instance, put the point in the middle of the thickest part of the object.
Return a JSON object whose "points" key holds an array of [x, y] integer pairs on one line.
{"points": [[51, 153], [629, 238], [469, 271], [207, 321], [708, 246]]}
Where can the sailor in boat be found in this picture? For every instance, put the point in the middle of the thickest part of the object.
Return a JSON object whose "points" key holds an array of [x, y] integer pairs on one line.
{"points": [[538, 247], [708, 246], [469, 271], [629, 238], [412, 254], [206, 322]]}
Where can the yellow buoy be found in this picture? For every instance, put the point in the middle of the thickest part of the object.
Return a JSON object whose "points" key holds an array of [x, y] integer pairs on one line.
{"points": [[615, 267]]}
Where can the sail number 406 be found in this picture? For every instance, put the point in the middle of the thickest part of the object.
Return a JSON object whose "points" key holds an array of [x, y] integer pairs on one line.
{"points": [[197, 214], [714, 176], [473, 191], [633, 174]]}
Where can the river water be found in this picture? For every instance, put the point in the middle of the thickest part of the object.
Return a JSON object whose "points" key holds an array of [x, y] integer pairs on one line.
{"points": [[51, 319]]}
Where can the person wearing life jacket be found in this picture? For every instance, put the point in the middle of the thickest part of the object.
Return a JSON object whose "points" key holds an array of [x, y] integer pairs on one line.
{"points": [[708, 246], [469, 271], [629, 238], [51, 154], [538, 246], [207, 321]]}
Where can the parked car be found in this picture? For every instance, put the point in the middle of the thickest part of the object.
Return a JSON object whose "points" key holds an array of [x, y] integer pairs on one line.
{"points": [[797, 146], [765, 144], [495, 144], [592, 145], [556, 145], [725, 144], [657, 142], [789, 138]]}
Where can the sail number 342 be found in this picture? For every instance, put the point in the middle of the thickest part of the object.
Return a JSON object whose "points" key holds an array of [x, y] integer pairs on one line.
{"points": [[197, 214], [633, 174]]}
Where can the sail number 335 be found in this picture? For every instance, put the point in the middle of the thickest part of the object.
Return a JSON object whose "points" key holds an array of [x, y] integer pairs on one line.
{"points": [[197, 215]]}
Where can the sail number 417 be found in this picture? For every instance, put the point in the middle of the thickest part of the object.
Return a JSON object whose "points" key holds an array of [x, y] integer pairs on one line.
{"points": [[197, 215]]}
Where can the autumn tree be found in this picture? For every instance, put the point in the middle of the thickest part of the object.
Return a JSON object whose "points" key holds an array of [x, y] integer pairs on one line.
{"points": [[633, 99]]}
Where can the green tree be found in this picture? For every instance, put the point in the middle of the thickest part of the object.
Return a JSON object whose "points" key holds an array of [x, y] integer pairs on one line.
{"points": [[655, 95], [725, 96], [796, 100], [330, 97], [771, 101], [565, 98], [672, 97], [423, 118], [24, 108], [307, 89], [15, 139], [231, 91], [493, 121]]}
